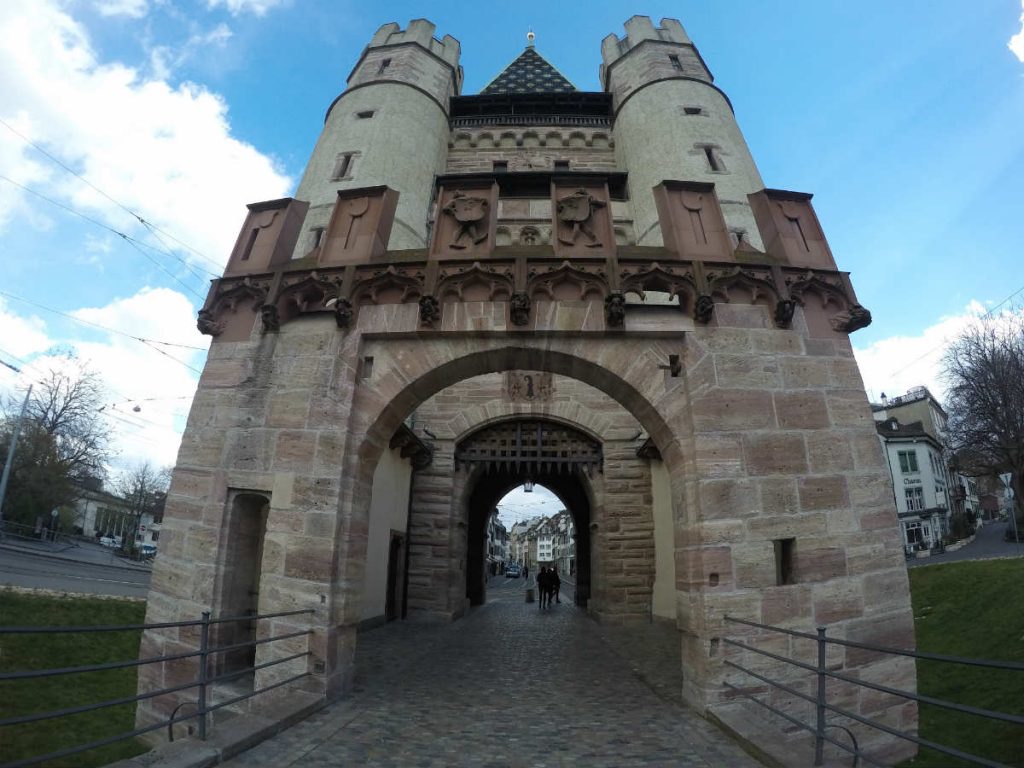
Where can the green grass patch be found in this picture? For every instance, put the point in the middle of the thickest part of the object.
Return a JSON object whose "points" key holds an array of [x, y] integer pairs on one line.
{"points": [[33, 651], [973, 609]]}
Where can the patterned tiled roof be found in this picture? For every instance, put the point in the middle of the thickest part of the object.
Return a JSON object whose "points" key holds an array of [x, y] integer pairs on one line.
{"points": [[529, 73]]}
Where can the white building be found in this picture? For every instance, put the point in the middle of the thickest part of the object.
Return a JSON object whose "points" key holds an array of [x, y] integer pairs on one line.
{"points": [[920, 482]]}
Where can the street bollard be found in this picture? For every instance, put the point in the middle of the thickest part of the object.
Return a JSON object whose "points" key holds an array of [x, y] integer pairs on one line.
{"points": [[529, 594]]}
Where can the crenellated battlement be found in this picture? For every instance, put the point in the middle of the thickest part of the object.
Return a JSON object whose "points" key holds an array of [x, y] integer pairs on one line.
{"points": [[639, 29], [419, 32]]}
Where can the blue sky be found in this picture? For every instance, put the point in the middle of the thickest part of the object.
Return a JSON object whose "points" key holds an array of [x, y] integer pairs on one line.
{"points": [[903, 119]]}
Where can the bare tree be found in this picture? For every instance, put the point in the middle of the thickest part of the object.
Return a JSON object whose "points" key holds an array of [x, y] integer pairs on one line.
{"points": [[144, 487], [64, 440], [984, 373]]}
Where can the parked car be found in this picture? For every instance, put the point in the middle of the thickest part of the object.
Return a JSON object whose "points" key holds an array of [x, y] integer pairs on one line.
{"points": [[147, 551], [111, 541], [513, 571]]}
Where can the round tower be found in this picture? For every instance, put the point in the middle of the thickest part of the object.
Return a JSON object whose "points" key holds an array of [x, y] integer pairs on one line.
{"points": [[672, 122], [389, 127]]}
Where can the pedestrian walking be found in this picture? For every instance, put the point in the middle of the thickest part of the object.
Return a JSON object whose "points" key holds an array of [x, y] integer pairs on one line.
{"points": [[556, 584], [526, 572], [543, 585]]}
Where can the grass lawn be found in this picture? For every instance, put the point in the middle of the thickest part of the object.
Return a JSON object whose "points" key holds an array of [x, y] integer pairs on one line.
{"points": [[975, 609], [23, 652]]}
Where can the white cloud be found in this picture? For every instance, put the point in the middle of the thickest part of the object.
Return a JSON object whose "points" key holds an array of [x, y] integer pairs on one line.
{"points": [[166, 152], [21, 336], [898, 363], [164, 59], [134, 9], [1016, 44], [237, 7]]}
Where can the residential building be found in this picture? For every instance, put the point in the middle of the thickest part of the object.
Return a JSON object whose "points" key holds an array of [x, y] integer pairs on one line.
{"points": [[496, 544], [919, 479]]}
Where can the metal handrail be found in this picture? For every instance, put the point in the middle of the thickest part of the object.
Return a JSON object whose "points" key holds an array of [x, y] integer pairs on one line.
{"points": [[202, 682], [135, 627], [822, 706]]}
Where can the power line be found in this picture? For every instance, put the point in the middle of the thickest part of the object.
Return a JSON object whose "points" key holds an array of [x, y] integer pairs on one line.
{"points": [[151, 227], [945, 340], [143, 339], [137, 244], [39, 372]]}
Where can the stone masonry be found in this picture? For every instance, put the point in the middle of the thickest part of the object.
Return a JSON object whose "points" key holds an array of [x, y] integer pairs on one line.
{"points": [[695, 328]]}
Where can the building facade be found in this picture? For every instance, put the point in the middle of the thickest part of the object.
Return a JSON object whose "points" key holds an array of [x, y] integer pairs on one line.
{"points": [[593, 291]]}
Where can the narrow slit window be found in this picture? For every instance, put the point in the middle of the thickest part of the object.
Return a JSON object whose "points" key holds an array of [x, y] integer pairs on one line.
{"points": [[713, 163], [500, 166], [677, 65], [798, 231], [343, 166], [316, 237], [561, 165], [367, 368], [384, 64], [253, 234], [784, 552], [693, 110], [366, 114]]}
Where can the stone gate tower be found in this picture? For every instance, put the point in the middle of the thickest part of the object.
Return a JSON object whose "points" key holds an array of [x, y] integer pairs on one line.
{"points": [[590, 290]]}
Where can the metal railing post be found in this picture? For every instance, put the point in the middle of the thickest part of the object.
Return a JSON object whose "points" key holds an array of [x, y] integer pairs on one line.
{"points": [[204, 654], [819, 725]]}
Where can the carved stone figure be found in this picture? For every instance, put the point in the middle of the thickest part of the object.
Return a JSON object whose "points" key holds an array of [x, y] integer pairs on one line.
{"points": [[576, 211], [519, 309], [528, 386], [470, 213], [343, 312], [784, 312], [703, 308], [853, 319], [268, 314], [430, 310], [207, 324], [615, 310]]}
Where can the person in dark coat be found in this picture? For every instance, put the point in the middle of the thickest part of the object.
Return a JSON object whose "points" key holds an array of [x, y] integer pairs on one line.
{"points": [[555, 584], [543, 587]]}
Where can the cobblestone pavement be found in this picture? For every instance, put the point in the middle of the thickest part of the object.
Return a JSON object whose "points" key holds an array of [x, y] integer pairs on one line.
{"points": [[510, 686]]}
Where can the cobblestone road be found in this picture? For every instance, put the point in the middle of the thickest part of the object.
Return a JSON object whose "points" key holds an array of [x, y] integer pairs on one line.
{"points": [[508, 686]]}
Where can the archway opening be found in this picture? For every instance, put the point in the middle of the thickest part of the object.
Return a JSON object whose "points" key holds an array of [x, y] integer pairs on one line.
{"points": [[541, 452]]}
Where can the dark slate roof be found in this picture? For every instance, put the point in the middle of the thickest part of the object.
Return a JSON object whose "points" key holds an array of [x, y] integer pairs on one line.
{"points": [[893, 428], [529, 73]]}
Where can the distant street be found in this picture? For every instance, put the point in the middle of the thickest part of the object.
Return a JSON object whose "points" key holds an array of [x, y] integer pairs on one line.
{"points": [[988, 543], [22, 568]]}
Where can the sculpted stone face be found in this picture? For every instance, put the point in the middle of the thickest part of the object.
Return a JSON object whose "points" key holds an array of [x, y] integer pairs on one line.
{"points": [[576, 211], [471, 214]]}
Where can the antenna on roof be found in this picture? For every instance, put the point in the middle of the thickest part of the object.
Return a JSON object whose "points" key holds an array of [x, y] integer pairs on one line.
{"points": [[530, 37]]}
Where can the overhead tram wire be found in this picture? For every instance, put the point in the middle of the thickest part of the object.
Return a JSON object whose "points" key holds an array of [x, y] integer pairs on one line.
{"points": [[148, 342], [945, 341], [140, 431], [134, 241], [26, 364], [101, 327], [137, 244], [151, 227]]}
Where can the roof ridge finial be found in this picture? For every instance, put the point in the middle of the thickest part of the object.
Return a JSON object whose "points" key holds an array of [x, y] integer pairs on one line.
{"points": [[530, 37]]}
